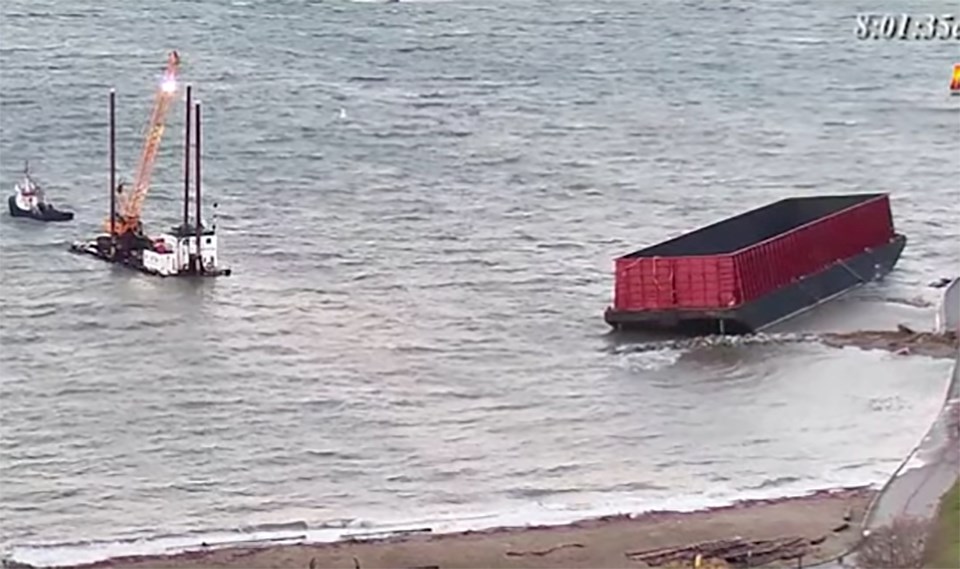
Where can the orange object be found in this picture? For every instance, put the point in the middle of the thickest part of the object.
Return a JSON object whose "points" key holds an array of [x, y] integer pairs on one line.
{"points": [[131, 203], [955, 81]]}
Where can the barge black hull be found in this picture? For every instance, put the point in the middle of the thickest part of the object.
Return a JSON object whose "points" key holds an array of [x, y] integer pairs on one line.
{"points": [[100, 250], [777, 306], [48, 213]]}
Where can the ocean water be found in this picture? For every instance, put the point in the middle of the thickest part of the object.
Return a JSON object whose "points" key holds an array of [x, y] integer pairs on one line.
{"points": [[421, 203]]}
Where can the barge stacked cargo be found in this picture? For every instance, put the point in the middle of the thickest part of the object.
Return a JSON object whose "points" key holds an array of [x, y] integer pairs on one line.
{"points": [[746, 273]]}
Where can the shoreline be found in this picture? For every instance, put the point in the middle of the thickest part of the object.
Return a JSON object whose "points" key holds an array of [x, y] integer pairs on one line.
{"points": [[223, 553], [822, 524]]}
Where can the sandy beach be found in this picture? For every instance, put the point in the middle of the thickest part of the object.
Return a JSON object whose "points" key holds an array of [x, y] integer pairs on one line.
{"points": [[820, 525]]}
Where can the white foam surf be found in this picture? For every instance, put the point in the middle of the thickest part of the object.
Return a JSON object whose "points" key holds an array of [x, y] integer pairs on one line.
{"points": [[541, 513]]}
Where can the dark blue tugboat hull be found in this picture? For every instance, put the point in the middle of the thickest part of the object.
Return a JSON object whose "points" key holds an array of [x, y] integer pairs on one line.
{"points": [[49, 213]]}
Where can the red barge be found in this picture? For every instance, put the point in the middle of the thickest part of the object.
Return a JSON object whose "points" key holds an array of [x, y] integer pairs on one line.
{"points": [[748, 272]]}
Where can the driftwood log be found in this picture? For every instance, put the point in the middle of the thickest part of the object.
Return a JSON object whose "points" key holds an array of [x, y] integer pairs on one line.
{"points": [[543, 552], [734, 551], [901, 341]]}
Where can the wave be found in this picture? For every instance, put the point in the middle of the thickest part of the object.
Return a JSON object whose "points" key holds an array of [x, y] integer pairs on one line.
{"points": [[713, 341], [532, 514]]}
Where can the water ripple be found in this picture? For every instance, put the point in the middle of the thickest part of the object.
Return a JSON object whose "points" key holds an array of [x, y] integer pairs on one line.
{"points": [[422, 202]]}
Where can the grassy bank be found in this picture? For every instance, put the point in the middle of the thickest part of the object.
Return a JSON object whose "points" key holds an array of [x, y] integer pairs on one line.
{"points": [[943, 549]]}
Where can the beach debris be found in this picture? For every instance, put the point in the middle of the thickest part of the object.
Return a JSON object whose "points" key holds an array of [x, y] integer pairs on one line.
{"points": [[378, 535], [700, 564], [842, 527], [902, 341], [734, 551], [952, 417], [356, 564], [900, 544], [543, 552]]}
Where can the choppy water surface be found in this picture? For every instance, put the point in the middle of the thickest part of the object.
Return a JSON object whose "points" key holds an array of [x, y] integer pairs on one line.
{"points": [[421, 202]]}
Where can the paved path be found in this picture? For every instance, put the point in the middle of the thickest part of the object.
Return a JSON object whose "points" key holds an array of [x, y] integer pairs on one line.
{"points": [[917, 491]]}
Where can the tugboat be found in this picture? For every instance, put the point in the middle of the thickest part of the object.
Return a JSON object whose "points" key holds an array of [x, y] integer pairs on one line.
{"points": [[28, 200]]}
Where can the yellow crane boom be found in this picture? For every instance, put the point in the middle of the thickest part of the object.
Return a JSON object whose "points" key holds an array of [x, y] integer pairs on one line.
{"points": [[130, 203]]}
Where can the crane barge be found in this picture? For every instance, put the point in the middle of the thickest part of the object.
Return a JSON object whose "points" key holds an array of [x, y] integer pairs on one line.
{"points": [[188, 249]]}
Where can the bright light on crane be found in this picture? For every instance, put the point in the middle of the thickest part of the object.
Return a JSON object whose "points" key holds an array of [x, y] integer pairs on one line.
{"points": [[169, 84], [131, 202]]}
